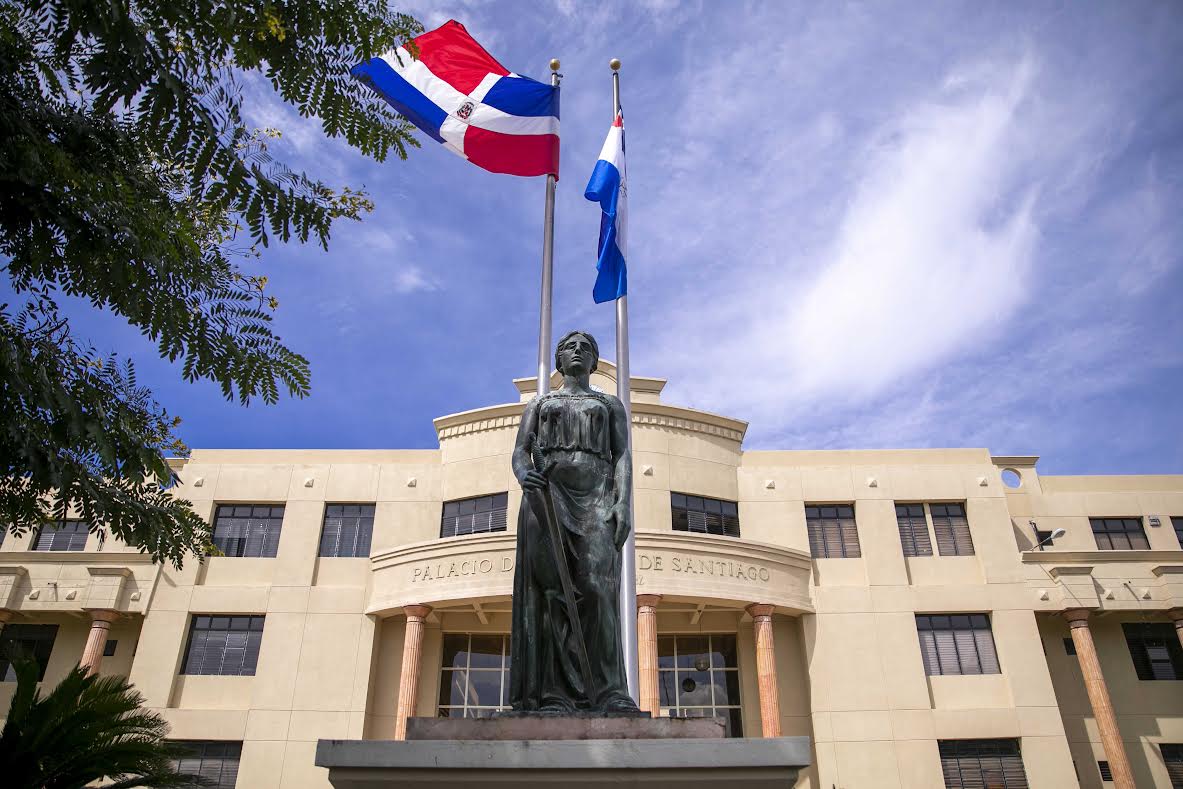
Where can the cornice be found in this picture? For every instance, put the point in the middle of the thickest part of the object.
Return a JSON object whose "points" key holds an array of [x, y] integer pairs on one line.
{"points": [[73, 557], [1101, 557]]}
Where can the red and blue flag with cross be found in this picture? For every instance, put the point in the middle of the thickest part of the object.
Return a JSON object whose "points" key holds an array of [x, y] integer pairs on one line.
{"points": [[459, 95]]}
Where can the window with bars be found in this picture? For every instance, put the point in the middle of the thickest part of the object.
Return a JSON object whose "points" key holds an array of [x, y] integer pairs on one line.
{"points": [[1155, 649], [62, 536], [1119, 534], [957, 644], [474, 516], [474, 677], [704, 515], [698, 677], [913, 528], [1172, 754], [952, 529], [347, 530], [25, 641], [215, 761], [223, 645], [248, 529], [982, 764], [1106, 773], [833, 533]]}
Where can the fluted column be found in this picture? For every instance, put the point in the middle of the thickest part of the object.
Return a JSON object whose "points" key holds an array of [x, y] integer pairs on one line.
{"points": [[650, 700], [96, 639], [408, 681], [766, 669], [1176, 614], [1094, 683]]}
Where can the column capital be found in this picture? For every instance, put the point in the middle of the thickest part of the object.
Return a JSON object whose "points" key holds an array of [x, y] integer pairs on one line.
{"points": [[651, 600], [6, 615], [1176, 614], [103, 614], [758, 610], [417, 611], [1077, 617]]}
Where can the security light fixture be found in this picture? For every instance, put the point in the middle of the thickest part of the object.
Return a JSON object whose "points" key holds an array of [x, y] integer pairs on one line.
{"points": [[1055, 535]]}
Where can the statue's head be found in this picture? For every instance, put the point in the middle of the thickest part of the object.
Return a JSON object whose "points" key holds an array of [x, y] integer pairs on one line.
{"points": [[577, 349]]}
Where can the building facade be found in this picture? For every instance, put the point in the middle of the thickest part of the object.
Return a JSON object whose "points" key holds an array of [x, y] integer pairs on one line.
{"points": [[916, 613]]}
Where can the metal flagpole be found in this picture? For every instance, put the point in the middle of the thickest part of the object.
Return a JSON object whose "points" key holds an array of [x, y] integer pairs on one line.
{"points": [[548, 255], [628, 563]]}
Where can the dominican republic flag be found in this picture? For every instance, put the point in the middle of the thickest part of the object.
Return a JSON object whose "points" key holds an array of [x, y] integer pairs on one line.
{"points": [[460, 96], [608, 186]]}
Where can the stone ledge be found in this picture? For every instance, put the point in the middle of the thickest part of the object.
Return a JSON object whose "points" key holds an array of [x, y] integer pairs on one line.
{"points": [[563, 727]]}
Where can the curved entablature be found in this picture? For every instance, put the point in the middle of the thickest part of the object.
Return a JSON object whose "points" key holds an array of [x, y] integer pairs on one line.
{"points": [[721, 570]]}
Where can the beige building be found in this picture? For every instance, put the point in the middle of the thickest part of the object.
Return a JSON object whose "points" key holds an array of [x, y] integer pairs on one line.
{"points": [[894, 606]]}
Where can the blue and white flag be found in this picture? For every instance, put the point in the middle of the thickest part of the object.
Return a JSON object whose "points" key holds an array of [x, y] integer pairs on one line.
{"points": [[608, 187]]}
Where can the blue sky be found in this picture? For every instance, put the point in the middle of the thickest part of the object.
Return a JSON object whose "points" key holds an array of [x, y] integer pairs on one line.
{"points": [[853, 225]]}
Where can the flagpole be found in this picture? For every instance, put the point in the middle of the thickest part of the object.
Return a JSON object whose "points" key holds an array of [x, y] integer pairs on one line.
{"points": [[548, 256], [628, 563]]}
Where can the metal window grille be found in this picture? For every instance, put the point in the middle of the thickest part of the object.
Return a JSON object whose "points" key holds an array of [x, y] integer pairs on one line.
{"points": [[215, 761], [248, 529], [62, 536], [1155, 650], [474, 516], [957, 644], [913, 529], [1106, 773], [698, 677], [223, 645], [474, 677], [1119, 534], [31, 641], [832, 532], [347, 531], [978, 764], [704, 515], [952, 529], [1172, 754]]}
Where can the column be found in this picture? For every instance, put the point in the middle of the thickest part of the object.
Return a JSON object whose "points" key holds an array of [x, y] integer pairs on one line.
{"points": [[1094, 683], [766, 669], [5, 616], [408, 682], [650, 700], [1176, 614], [96, 640]]}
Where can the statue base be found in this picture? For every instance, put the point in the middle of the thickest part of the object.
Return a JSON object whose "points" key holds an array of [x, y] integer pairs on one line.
{"points": [[535, 726]]}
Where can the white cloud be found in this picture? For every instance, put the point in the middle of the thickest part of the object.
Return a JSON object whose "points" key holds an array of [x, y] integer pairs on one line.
{"points": [[410, 279]]}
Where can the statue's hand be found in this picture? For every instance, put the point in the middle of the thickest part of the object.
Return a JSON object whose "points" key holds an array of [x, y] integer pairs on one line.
{"points": [[532, 480], [622, 518]]}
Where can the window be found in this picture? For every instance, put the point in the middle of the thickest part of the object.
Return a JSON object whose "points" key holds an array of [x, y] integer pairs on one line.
{"points": [[63, 536], [980, 764], [704, 516], [1172, 754], [34, 641], [474, 678], [1043, 538], [1106, 773], [1119, 534], [474, 516], [913, 529], [698, 677], [832, 532], [227, 645], [214, 760], [952, 530], [1155, 649], [248, 529], [957, 644], [347, 530], [1176, 522], [109, 647], [1069, 646]]}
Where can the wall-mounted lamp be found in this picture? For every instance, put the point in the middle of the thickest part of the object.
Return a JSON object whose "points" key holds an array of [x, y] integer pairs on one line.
{"points": [[1055, 535]]}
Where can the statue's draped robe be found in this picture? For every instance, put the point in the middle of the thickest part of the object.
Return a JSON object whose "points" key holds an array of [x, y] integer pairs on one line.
{"points": [[574, 433]]}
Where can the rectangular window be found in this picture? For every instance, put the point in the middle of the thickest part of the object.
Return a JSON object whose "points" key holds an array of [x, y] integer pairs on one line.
{"points": [[109, 647], [347, 530], [952, 529], [978, 764], [957, 644], [33, 641], [1172, 754], [224, 645], [1119, 534], [62, 536], [1106, 773], [703, 515], [1155, 649], [698, 677], [913, 529], [1069, 646], [832, 532], [1178, 524], [474, 516], [248, 529], [474, 677], [214, 760]]}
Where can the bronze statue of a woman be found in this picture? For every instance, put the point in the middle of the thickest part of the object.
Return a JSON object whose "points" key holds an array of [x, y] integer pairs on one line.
{"points": [[573, 462]]}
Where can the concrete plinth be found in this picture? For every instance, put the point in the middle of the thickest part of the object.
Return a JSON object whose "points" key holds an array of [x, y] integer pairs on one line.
{"points": [[585, 764], [563, 727]]}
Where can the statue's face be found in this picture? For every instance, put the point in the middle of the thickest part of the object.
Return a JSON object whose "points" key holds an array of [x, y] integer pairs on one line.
{"points": [[576, 355]]}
